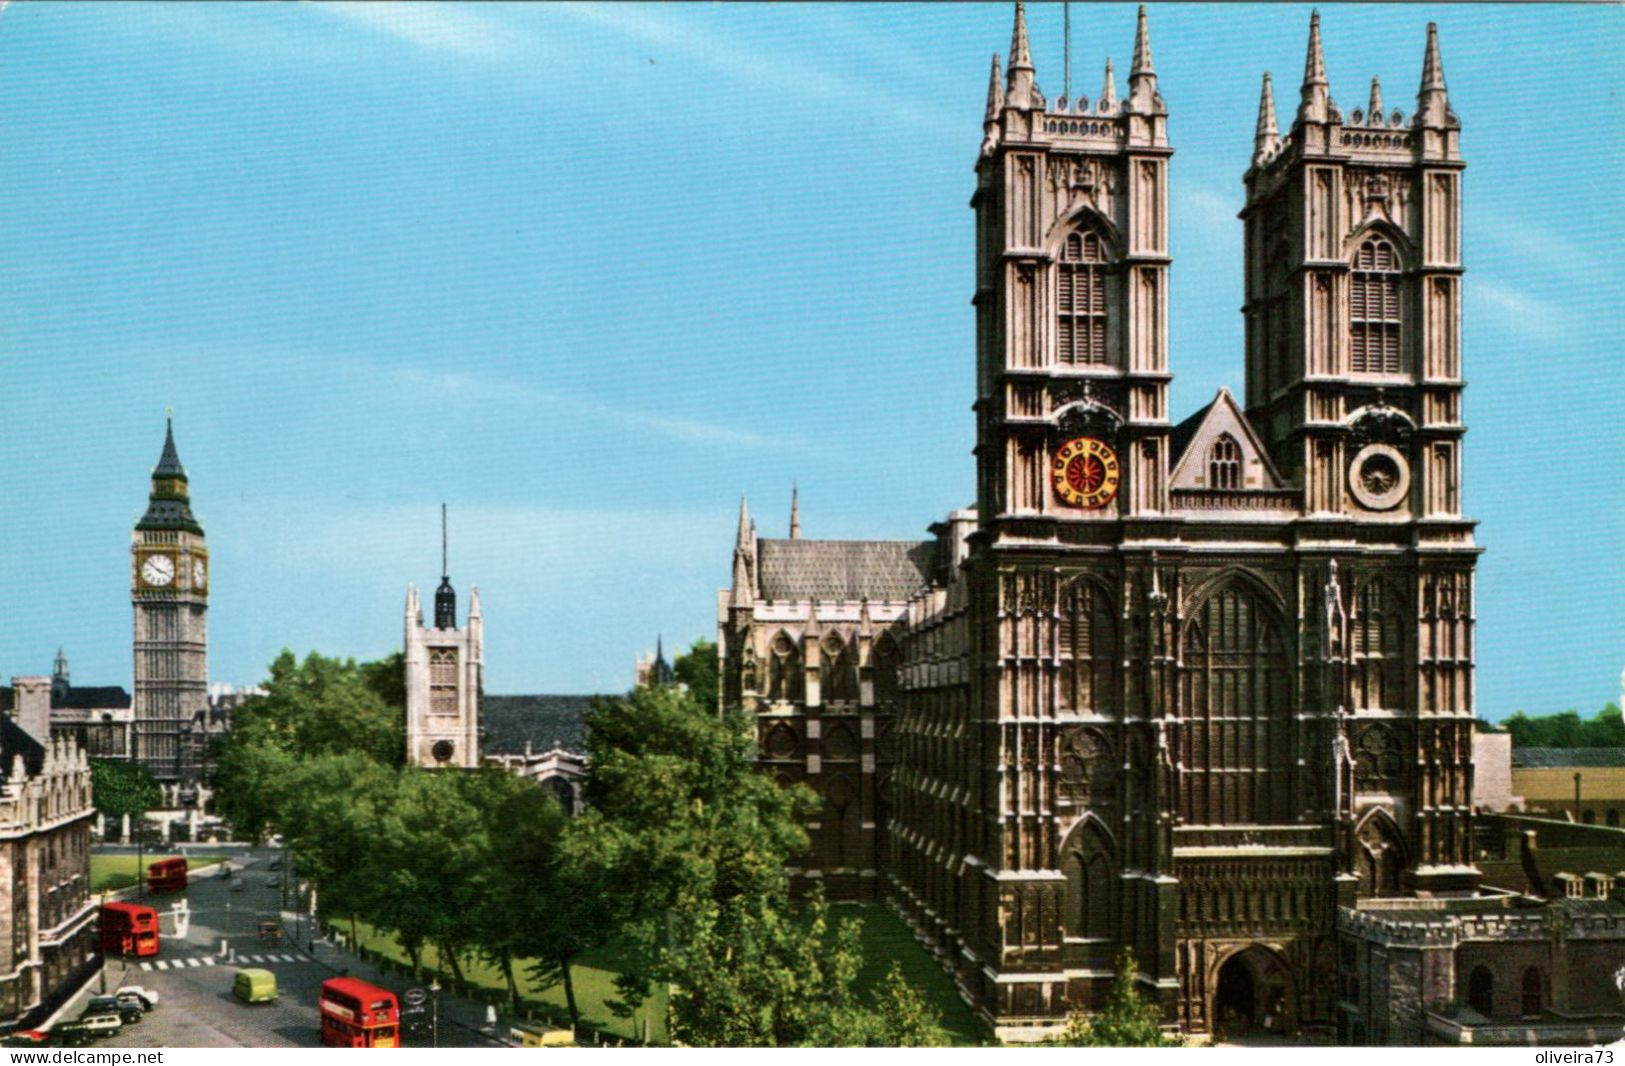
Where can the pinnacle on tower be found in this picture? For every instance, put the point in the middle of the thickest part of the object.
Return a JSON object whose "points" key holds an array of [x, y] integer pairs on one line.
{"points": [[167, 506], [795, 513], [1267, 138], [744, 524], [1432, 99], [1142, 76], [1108, 92], [1316, 98], [1374, 109], [169, 463], [1022, 90], [995, 92], [743, 592], [445, 597]]}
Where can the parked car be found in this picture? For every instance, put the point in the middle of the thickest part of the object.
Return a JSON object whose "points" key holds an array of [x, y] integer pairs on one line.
{"points": [[88, 1027], [254, 986], [148, 996], [129, 1012]]}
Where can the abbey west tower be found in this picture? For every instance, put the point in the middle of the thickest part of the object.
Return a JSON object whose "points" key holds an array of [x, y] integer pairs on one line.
{"points": [[1194, 686], [445, 670], [169, 588]]}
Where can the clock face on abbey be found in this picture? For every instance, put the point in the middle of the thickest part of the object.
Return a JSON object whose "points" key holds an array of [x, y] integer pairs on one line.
{"points": [[1085, 473]]}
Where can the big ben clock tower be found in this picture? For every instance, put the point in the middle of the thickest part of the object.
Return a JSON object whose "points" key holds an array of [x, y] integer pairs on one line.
{"points": [[169, 587]]}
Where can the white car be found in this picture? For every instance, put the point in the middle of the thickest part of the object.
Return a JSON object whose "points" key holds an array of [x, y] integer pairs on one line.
{"points": [[147, 996]]}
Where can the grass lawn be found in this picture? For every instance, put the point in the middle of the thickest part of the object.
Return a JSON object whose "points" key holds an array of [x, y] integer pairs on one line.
{"points": [[112, 872], [594, 983], [885, 938]]}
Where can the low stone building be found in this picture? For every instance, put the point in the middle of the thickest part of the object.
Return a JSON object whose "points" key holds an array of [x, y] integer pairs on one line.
{"points": [[1585, 784], [45, 816], [1494, 969], [543, 738]]}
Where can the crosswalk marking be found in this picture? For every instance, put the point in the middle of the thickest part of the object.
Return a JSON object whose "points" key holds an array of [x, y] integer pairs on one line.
{"points": [[210, 960], [193, 962]]}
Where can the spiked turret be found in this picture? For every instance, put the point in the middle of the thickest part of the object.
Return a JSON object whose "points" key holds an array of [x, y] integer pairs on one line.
{"points": [[1021, 88], [167, 506], [1315, 105], [1267, 138], [995, 92], [1374, 109], [1108, 92], [1142, 77], [1432, 99], [795, 514], [743, 593]]}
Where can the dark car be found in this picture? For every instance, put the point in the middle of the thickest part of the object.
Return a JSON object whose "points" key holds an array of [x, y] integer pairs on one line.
{"points": [[127, 1008]]}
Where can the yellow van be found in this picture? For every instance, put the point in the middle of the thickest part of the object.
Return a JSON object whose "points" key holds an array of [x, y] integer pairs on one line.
{"points": [[525, 1034], [255, 986]]}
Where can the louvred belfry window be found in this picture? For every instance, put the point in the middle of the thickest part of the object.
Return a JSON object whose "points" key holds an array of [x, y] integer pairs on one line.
{"points": [[1081, 301], [443, 680], [1375, 298]]}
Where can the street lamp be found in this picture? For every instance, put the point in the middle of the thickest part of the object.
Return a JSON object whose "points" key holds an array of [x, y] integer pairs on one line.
{"points": [[434, 1015]]}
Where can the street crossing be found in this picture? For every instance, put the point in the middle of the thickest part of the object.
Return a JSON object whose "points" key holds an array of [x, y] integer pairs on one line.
{"points": [[212, 960]]}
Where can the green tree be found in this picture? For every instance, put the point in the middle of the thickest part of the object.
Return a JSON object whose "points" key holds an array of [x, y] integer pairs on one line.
{"points": [[698, 669], [1567, 729], [1127, 1020], [120, 788]]}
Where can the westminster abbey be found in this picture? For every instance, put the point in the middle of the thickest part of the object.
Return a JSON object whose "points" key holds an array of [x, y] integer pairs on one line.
{"points": [[1201, 689]]}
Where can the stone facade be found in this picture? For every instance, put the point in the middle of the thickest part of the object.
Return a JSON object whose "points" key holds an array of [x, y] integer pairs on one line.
{"points": [[1190, 689], [49, 932], [169, 588], [445, 669]]}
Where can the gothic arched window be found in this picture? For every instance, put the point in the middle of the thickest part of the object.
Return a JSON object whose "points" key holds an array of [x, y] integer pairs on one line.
{"points": [[1088, 649], [1224, 463], [1235, 691], [884, 662], [1087, 864], [1375, 298], [1377, 627], [1081, 300], [443, 680], [1534, 991], [840, 672], [784, 670]]}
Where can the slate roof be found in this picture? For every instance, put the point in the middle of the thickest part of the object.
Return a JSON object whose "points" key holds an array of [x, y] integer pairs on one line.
{"points": [[14, 741], [1558, 758], [1180, 436], [845, 569], [547, 722], [91, 698]]}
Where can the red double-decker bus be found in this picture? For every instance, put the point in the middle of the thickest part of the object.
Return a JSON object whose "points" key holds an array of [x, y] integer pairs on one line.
{"points": [[356, 1014], [129, 929], [167, 875]]}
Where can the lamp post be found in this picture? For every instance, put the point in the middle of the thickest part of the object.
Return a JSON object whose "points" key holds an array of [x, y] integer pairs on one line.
{"points": [[434, 1013]]}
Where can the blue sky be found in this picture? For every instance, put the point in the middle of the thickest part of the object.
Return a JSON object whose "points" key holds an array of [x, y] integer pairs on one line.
{"points": [[588, 273]]}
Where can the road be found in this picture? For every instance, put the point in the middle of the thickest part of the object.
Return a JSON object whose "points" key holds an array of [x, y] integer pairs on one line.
{"points": [[194, 979]]}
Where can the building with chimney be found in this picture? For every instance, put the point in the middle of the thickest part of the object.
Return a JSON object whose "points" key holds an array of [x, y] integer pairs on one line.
{"points": [[1199, 689], [169, 590]]}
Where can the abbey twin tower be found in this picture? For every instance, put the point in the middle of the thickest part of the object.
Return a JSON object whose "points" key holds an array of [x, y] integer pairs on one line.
{"points": [[1192, 688]]}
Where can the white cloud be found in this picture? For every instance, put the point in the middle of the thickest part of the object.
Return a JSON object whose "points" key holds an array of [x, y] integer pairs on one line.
{"points": [[433, 27]]}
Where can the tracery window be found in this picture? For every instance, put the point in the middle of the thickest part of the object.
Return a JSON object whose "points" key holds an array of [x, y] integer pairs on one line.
{"points": [[1379, 648], [884, 663], [1224, 463], [1375, 298], [1235, 691], [784, 670], [840, 673], [1087, 643], [1087, 865], [1081, 300], [442, 680]]}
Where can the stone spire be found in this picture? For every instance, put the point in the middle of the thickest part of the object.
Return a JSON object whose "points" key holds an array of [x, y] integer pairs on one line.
{"points": [[169, 463], [1374, 109], [59, 669], [1267, 139], [995, 92], [1432, 100], [795, 513], [1021, 88], [1108, 92], [1142, 76], [743, 593], [1316, 98]]}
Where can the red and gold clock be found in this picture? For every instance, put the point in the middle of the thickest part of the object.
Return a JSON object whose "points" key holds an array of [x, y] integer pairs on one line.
{"points": [[1085, 473]]}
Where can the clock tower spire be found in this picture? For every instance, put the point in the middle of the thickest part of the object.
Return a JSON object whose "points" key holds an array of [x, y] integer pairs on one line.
{"points": [[169, 590]]}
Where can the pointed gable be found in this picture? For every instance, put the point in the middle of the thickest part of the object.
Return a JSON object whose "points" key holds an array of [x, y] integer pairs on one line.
{"points": [[1207, 442]]}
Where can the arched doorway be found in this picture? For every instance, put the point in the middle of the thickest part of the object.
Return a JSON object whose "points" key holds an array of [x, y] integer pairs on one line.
{"points": [[1252, 996]]}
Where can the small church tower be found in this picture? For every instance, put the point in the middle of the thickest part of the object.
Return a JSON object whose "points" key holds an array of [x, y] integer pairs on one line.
{"points": [[445, 668]]}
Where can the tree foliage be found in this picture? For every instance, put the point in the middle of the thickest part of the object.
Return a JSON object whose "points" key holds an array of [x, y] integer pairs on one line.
{"points": [[1128, 1019], [699, 670], [120, 788], [1567, 730]]}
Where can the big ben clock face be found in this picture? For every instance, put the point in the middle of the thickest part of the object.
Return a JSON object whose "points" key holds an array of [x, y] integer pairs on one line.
{"points": [[158, 570], [1085, 473]]}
